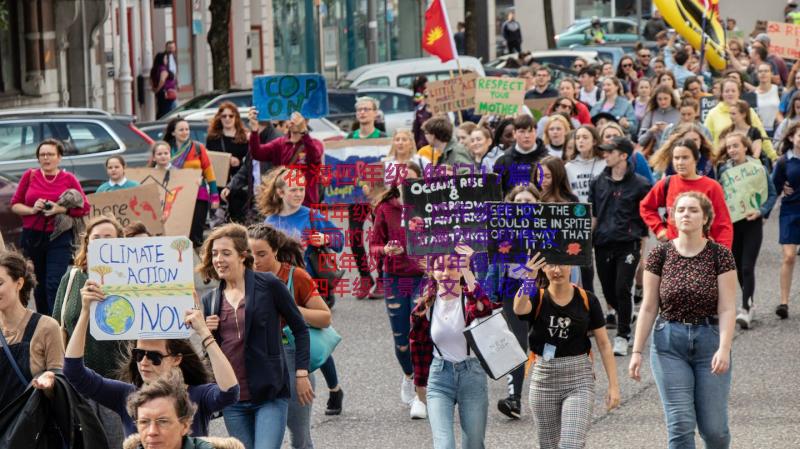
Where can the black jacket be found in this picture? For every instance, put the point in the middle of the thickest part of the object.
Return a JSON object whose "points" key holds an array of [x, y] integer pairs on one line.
{"points": [[242, 181], [518, 164], [267, 300], [33, 421], [615, 204]]}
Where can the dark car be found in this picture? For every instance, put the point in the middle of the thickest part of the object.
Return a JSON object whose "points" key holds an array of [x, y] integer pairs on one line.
{"points": [[90, 136], [10, 223]]}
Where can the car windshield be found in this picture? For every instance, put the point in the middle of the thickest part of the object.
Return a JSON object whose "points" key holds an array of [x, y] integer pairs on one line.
{"points": [[197, 102]]}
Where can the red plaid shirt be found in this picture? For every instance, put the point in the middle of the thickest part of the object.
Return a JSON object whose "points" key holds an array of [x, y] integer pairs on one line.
{"points": [[420, 335]]}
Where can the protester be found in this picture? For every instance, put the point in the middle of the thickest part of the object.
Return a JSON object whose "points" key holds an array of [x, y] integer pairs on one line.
{"points": [[644, 57], [541, 85], [587, 164], [400, 154], [569, 87], [640, 166], [388, 241], [503, 137], [786, 177], [748, 232], [615, 104], [146, 362], [479, 146], [676, 61], [444, 368], [33, 339], [514, 167], [690, 115], [792, 87], [51, 203], [164, 83], [564, 107], [589, 94], [550, 177], [719, 119], [115, 168], [667, 78], [164, 413], [662, 111], [617, 233], [463, 132], [160, 156], [628, 74], [690, 294], [227, 134], [740, 122], [768, 99], [792, 117], [685, 155], [562, 377], [421, 112], [259, 418], [442, 148], [644, 89], [662, 159], [275, 252], [187, 153], [297, 148], [555, 134]]}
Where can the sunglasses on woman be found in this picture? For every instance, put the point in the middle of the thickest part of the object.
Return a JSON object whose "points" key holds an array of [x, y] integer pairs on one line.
{"points": [[154, 356]]}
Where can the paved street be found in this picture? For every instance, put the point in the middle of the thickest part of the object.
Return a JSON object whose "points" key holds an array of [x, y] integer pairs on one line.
{"points": [[764, 406]]}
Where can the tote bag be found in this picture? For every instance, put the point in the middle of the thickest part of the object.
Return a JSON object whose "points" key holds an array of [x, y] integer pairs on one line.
{"points": [[495, 345]]}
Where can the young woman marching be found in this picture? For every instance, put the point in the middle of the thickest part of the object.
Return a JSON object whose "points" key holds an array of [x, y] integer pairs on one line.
{"points": [[690, 294], [749, 231], [443, 364], [562, 380], [388, 241], [275, 252], [786, 177]]}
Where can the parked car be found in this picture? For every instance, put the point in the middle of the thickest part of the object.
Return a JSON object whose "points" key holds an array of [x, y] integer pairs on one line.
{"points": [[563, 58], [90, 136], [211, 100], [403, 72], [613, 52], [10, 223], [616, 30]]}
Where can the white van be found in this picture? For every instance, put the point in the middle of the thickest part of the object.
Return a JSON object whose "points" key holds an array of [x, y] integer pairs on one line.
{"points": [[402, 73]]}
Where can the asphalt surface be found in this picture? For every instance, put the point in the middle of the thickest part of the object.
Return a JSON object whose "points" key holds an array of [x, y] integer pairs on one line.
{"points": [[764, 404]]}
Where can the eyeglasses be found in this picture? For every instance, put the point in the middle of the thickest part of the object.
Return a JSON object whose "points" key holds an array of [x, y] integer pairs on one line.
{"points": [[644, 55], [153, 356], [227, 116], [161, 423], [627, 66], [47, 155]]}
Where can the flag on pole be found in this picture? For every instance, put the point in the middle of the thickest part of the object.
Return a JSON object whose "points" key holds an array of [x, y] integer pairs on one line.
{"points": [[436, 37]]}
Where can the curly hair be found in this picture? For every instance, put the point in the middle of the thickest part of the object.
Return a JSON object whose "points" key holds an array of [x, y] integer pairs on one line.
{"points": [[238, 235], [662, 159], [287, 249], [169, 386], [81, 255], [215, 127], [18, 267], [268, 200], [705, 206]]}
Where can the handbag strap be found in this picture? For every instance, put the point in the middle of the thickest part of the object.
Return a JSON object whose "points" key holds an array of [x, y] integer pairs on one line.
{"points": [[65, 301], [290, 282], [463, 311], [11, 359]]}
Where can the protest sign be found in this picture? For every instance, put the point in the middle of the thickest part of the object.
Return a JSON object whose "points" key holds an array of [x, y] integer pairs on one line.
{"points": [[706, 105], [561, 232], [745, 188], [222, 166], [539, 106], [443, 211], [141, 203], [784, 39], [277, 96], [451, 95], [499, 96], [177, 190], [148, 284], [348, 162]]}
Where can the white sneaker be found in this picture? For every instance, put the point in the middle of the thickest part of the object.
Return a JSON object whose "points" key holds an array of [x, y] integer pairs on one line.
{"points": [[418, 409], [407, 391], [620, 346], [744, 318]]}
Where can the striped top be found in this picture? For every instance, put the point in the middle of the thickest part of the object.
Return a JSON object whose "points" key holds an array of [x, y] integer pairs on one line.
{"points": [[193, 155]]}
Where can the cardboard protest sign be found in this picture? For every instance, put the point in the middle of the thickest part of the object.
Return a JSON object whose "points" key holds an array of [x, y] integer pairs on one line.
{"points": [[277, 96], [148, 283], [499, 96], [745, 188], [706, 105], [451, 95], [222, 166], [539, 106], [561, 232], [443, 211], [784, 39], [141, 203], [348, 162], [177, 190]]}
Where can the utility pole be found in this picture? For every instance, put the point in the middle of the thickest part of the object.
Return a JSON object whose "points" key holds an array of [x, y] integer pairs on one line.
{"points": [[124, 78], [148, 111], [372, 31]]}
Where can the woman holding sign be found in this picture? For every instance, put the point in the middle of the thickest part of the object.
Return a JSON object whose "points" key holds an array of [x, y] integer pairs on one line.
{"points": [[245, 315], [559, 317], [748, 230]]}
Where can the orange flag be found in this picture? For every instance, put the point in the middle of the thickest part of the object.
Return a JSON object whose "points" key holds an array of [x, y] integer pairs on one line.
{"points": [[437, 38]]}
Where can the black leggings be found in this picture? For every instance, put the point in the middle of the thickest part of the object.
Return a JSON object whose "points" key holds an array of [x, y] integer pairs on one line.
{"points": [[747, 237], [198, 223], [616, 268], [357, 214], [587, 277]]}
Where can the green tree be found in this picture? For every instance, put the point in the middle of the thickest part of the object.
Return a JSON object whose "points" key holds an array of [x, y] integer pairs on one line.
{"points": [[102, 270], [219, 43], [180, 245]]}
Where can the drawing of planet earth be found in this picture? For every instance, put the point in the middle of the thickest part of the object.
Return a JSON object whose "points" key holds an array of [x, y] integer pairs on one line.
{"points": [[115, 315]]}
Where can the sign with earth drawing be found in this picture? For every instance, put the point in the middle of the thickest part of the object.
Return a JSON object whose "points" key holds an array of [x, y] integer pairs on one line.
{"points": [[148, 284]]}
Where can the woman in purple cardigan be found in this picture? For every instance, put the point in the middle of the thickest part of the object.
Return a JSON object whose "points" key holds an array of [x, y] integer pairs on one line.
{"points": [[147, 361]]}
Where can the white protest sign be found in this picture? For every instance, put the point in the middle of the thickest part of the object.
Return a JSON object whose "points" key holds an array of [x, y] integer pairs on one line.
{"points": [[148, 284]]}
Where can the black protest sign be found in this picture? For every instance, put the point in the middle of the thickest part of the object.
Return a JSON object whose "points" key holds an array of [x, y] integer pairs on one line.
{"points": [[443, 211], [561, 232], [706, 105]]}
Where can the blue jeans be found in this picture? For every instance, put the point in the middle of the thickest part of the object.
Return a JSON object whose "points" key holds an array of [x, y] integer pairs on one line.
{"points": [[258, 426], [692, 396], [50, 261], [457, 384], [398, 306], [328, 370], [299, 417]]}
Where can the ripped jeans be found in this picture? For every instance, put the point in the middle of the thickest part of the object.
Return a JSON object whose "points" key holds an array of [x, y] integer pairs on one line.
{"points": [[399, 303]]}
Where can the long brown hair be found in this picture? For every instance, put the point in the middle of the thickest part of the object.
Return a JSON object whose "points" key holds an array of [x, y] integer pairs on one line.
{"points": [[81, 255], [268, 200], [722, 153], [215, 127], [238, 235], [705, 206], [662, 158], [287, 249], [17, 266], [394, 191], [560, 192], [193, 367]]}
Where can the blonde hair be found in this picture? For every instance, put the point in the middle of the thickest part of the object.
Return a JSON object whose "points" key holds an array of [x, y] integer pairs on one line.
{"points": [[552, 119], [268, 200], [722, 153], [410, 135]]}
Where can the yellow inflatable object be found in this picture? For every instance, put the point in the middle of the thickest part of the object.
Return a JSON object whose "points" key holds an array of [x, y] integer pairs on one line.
{"points": [[686, 17]]}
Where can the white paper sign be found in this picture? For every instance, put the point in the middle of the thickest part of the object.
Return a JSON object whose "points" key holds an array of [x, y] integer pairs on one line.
{"points": [[148, 284]]}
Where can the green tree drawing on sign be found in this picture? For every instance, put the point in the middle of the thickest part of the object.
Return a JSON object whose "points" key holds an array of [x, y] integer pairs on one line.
{"points": [[180, 246], [102, 270]]}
